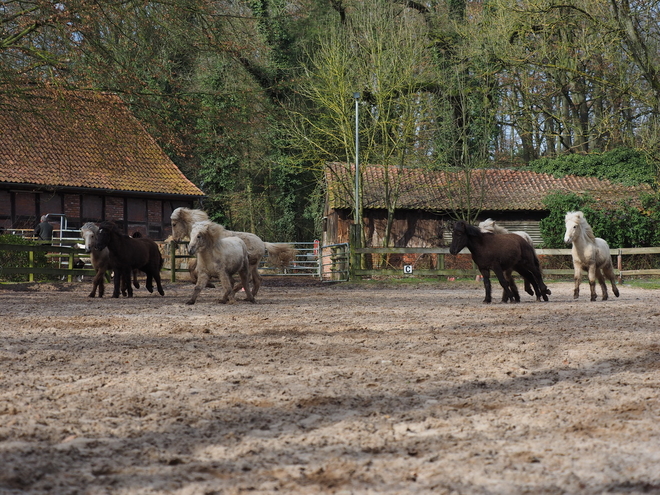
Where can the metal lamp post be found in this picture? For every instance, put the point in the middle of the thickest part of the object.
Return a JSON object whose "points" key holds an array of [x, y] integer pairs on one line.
{"points": [[356, 216]]}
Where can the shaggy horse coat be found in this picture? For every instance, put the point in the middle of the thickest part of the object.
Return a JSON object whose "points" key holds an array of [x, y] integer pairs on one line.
{"points": [[591, 254], [220, 257], [501, 253], [280, 255], [489, 225], [100, 260], [127, 254]]}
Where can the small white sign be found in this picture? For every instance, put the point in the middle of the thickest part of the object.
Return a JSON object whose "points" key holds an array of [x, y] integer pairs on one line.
{"points": [[408, 269]]}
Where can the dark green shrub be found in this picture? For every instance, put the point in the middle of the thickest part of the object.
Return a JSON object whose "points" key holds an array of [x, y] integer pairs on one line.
{"points": [[19, 259], [624, 165]]}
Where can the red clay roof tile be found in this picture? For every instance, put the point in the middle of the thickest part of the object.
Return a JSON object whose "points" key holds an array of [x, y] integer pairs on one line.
{"points": [[88, 140], [491, 189]]}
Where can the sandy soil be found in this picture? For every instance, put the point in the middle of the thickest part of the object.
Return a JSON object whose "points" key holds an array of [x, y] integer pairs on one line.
{"points": [[328, 389]]}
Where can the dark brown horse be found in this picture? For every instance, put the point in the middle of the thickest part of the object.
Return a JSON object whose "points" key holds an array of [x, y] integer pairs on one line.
{"points": [[502, 253], [127, 254]]}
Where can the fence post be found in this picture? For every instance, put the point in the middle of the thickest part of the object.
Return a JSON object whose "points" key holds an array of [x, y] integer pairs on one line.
{"points": [[69, 277], [355, 243], [173, 261], [31, 265], [619, 265]]}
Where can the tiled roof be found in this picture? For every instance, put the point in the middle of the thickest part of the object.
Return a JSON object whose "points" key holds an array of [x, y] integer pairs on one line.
{"points": [[89, 140], [491, 189]]}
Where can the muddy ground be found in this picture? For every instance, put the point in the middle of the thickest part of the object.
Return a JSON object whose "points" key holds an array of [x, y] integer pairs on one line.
{"points": [[317, 388]]}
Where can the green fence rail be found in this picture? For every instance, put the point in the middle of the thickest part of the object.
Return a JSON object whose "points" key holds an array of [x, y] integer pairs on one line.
{"points": [[65, 256], [441, 252]]}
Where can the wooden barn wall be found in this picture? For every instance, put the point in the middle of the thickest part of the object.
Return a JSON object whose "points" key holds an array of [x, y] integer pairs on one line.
{"points": [[415, 228], [150, 217], [410, 228]]}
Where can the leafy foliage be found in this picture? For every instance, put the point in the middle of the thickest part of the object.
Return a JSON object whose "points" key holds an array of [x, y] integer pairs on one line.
{"points": [[624, 226], [19, 259], [624, 165]]}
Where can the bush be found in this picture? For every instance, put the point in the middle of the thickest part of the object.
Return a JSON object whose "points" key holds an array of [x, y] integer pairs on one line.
{"points": [[624, 226], [19, 259], [624, 165]]}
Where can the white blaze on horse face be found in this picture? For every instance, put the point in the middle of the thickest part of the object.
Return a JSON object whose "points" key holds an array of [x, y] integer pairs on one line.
{"points": [[571, 229], [88, 235]]}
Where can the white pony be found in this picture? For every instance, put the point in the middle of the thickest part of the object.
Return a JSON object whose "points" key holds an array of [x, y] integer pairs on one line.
{"points": [[590, 253], [100, 260], [220, 257], [278, 254]]}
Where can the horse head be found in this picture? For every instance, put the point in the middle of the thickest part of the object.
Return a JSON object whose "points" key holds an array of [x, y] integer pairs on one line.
{"points": [[200, 236], [182, 221], [104, 235], [459, 238], [88, 232], [574, 221]]}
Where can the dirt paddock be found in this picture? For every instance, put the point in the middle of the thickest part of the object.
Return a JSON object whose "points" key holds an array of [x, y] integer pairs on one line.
{"points": [[346, 388]]}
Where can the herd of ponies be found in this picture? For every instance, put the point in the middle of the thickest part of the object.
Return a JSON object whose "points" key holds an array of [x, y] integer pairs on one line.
{"points": [[224, 254]]}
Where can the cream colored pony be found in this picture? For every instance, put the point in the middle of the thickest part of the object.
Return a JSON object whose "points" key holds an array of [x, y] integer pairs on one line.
{"points": [[280, 255], [221, 257], [591, 254]]}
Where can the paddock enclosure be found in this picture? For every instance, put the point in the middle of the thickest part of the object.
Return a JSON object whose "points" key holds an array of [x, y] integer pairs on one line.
{"points": [[328, 388]]}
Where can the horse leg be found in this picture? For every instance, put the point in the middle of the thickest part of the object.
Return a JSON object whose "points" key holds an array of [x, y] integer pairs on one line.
{"points": [[256, 278], [601, 281], [97, 281], [577, 275], [608, 271], [126, 281], [504, 283], [245, 275], [150, 282], [202, 279], [159, 284], [136, 284], [536, 281], [592, 281], [117, 283], [485, 274], [228, 286], [513, 289]]}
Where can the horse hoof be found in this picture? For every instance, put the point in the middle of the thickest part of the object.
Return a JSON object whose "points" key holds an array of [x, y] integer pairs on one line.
{"points": [[161, 292], [190, 303]]}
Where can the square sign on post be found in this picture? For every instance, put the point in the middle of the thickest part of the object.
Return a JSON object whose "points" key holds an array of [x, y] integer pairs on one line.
{"points": [[407, 269]]}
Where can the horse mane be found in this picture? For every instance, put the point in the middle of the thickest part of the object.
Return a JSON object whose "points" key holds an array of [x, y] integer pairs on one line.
{"points": [[578, 217], [189, 216], [472, 230], [489, 225], [90, 226], [207, 227]]}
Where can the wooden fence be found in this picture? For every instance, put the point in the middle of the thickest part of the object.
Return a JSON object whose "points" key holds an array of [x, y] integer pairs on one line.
{"points": [[64, 258], [441, 252]]}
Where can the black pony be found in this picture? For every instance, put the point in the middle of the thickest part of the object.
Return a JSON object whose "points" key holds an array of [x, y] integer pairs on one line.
{"points": [[502, 253], [126, 254]]}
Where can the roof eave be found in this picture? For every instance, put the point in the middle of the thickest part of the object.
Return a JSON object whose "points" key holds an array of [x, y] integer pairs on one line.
{"points": [[90, 190]]}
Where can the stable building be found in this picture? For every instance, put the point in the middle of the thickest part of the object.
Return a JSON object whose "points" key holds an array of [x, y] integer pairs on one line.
{"points": [[84, 156], [427, 202]]}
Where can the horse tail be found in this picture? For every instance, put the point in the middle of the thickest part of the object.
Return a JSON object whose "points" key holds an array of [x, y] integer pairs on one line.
{"points": [[280, 255]]}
